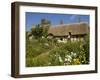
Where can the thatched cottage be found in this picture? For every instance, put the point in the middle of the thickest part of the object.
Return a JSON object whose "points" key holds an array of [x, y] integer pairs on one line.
{"points": [[64, 32]]}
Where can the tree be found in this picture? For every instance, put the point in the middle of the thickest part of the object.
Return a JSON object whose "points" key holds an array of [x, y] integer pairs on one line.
{"points": [[37, 31], [45, 24], [41, 29]]}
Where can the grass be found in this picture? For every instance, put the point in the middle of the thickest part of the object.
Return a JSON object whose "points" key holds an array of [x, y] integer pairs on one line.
{"points": [[47, 52]]}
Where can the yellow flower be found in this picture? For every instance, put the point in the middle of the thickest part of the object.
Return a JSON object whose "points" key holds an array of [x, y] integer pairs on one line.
{"points": [[76, 61]]}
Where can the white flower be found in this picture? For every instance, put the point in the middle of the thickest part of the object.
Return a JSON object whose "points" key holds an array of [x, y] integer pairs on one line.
{"points": [[46, 44], [60, 59], [73, 54], [68, 58]]}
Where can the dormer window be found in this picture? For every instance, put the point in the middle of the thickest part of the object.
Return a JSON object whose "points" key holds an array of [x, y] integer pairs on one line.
{"points": [[69, 33], [69, 36]]}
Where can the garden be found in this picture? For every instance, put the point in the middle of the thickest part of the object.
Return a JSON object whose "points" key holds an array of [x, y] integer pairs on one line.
{"points": [[48, 52]]}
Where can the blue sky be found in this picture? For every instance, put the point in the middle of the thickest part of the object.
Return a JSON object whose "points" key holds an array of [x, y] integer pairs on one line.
{"points": [[35, 18]]}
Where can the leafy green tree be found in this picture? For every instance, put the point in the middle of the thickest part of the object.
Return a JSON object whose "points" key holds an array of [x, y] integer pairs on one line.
{"points": [[45, 24], [41, 29], [37, 31]]}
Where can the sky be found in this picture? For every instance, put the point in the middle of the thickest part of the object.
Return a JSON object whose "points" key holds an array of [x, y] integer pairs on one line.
{"points": [[35, 18]]}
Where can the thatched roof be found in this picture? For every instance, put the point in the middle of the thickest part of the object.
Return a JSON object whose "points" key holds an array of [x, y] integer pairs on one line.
{"points": [[64, 29]]}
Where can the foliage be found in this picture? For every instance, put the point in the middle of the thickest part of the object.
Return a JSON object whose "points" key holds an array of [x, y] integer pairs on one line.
{"points": [[86, 47], [41, 30], [37, 31], [45, 24], [48, 52]]}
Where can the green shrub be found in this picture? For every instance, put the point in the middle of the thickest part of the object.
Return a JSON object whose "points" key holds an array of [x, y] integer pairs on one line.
{"points": [[48, 52]]}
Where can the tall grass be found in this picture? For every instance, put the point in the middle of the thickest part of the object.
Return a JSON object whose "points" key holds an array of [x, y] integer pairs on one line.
{"points": [[47, 52]]}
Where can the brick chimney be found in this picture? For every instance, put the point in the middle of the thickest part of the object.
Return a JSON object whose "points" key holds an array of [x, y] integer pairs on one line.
{"points": [[61, 22]]}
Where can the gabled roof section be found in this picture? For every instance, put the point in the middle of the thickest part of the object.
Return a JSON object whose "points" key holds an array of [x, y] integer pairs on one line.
{"points": [[74, 28]]}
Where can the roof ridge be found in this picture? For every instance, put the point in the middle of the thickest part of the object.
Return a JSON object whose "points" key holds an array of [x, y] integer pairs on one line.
{"points": [[70, 24]]}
